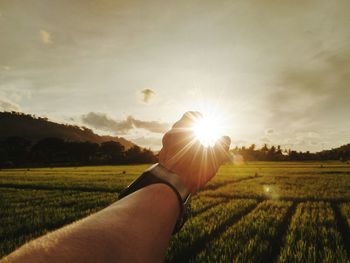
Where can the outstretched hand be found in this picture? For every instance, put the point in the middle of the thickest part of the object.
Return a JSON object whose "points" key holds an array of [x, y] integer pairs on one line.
{"points": [[183, 154]]}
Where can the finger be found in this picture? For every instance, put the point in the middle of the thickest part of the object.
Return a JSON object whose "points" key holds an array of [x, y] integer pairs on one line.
{"points": [[166, 138], [221, 149], [225, 142], [182, 131], [188, 119]]}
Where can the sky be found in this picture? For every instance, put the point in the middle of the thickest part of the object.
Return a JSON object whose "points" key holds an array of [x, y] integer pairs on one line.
{"points": [[277, 72]]}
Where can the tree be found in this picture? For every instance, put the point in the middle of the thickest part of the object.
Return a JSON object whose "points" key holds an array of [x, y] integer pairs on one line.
{"points": [[112, 152], [147, 156], [252, 147], [265, 148], [14, 150], [50, 151], [82, 152], [133, 155]]}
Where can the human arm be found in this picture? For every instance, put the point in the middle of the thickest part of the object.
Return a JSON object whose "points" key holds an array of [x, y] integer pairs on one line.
{"points": [[135, 229], [138, 227]]}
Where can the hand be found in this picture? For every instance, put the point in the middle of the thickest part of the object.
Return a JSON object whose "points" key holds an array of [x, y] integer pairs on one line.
{"points": [[183, 154]]}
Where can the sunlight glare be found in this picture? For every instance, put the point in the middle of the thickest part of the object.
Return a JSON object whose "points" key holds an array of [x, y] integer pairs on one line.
{"points": [[207, 130]]}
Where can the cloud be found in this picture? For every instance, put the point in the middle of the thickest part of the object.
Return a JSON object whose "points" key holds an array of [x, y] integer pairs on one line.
{"points": [[317, 92], [45, 37], [6, 105], [152, 126], [102, 121], [147, 95]]}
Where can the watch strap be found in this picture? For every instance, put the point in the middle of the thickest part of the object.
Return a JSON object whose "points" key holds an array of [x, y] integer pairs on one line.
{"points": [[158, 174], [171, 178]]}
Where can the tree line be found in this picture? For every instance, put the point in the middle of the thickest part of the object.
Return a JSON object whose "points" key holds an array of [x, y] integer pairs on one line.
{"points": [[20, 152], [276, 153]]}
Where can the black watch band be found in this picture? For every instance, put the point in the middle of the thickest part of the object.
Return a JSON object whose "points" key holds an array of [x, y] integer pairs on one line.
{"points": [[158, 174]]}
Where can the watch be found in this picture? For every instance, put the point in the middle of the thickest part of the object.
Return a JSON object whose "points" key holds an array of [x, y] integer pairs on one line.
{"points": [[158, 174]]}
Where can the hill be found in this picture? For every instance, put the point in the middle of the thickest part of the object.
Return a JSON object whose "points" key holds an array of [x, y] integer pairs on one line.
{"points": [[36, 128]]}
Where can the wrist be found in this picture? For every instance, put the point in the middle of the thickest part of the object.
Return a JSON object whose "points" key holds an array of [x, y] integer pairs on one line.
{"points": [[157, 174], [172, 179], [166, 196]]}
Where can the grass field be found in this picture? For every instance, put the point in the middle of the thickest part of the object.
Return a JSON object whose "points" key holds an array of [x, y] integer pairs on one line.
{"points": [[257, 212]]}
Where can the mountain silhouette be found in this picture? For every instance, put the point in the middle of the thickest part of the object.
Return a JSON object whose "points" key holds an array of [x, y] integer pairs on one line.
{"points": [[32, 128]]}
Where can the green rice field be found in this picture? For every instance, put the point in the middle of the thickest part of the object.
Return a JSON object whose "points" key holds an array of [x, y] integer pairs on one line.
{"points": [[255, 212]]}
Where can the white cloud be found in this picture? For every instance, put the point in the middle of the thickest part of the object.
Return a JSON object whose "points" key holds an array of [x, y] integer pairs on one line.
{"points": [[102, 121]]}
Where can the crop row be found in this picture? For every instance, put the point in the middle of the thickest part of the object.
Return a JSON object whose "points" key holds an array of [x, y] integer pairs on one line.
{"points": [[26, 214], [311, 187], [313, 236], [231, 173], [97, 178], [199, 203], [249, 240], [200, 228], [104, 183], [104, 178], [345, 211]]}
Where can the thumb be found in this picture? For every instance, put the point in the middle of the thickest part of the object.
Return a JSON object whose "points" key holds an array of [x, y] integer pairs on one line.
{"points": [[221, 149]]}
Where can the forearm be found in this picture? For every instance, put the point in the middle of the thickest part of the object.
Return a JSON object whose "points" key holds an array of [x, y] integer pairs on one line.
{"points": [[134, 229]]}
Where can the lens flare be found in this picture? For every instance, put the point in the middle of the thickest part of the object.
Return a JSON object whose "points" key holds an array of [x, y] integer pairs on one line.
{"points": [[207, 130]]}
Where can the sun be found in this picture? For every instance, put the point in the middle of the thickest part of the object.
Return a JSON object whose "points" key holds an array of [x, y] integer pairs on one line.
{"points": [[207, 129]]}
